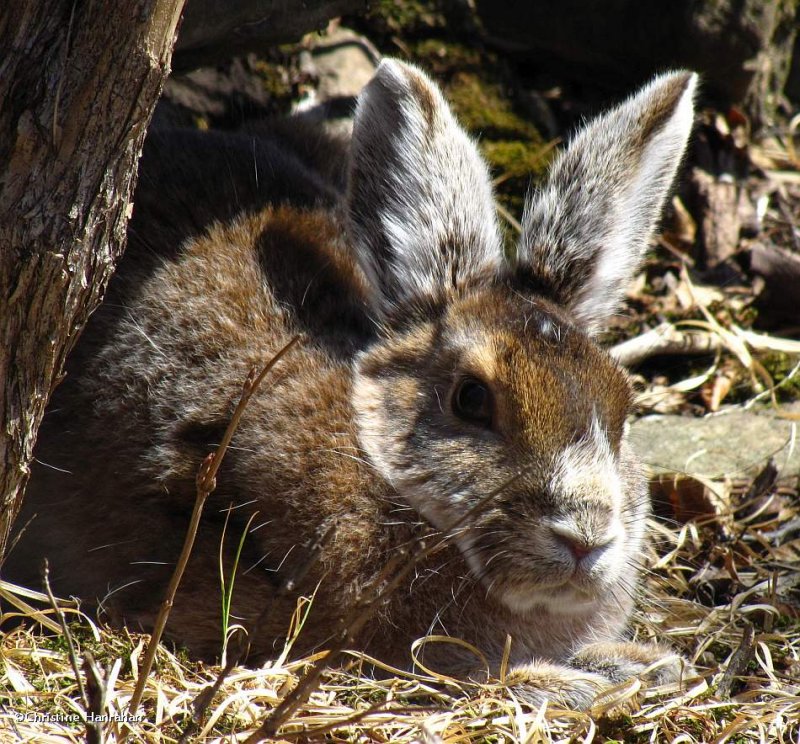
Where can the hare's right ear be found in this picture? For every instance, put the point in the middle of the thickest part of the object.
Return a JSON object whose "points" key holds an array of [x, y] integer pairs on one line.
{"points": [[420, 205], [585, 232]]}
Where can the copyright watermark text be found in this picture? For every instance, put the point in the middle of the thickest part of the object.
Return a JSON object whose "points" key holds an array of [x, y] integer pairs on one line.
{"points": [[29, 717]]}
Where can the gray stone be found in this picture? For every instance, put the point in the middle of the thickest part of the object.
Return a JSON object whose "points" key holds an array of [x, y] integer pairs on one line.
{"points": [[734, 442], [341, 63]]}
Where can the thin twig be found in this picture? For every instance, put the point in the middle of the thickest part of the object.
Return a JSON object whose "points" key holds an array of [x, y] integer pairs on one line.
{"points": [[505, 214], [206, 483], [93, 729], [665, 339], [96, 695]]}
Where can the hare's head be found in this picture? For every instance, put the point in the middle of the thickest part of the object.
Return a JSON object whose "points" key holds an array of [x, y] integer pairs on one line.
{"points": [[486, 373]]}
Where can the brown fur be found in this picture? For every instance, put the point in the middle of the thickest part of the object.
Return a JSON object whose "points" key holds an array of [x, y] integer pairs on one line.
{"points": [[238, 243]]}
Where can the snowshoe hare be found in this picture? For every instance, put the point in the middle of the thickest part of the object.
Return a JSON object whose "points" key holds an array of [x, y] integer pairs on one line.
{"points": [[433, 370]]}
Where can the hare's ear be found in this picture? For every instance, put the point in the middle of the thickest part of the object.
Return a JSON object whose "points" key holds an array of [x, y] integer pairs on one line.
{"points": [[421, 210], [586, 230]]}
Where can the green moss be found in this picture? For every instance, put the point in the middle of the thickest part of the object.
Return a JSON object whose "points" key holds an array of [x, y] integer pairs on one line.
{"points": [[779, 364], [274, 80], [516, 152], [406, 17], [480, 87], [483, 108], [441, 57], [515, 159]]}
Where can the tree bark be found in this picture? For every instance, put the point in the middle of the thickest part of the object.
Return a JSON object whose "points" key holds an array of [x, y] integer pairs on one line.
{"points": [[216, 30], [78, 83]]}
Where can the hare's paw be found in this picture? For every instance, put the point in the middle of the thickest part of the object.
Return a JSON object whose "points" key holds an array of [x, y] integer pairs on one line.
{"points": [[652, 663], [567, 688]]}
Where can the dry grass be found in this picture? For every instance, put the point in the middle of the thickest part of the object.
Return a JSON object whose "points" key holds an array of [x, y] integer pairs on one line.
{"points": [[726, 593]]}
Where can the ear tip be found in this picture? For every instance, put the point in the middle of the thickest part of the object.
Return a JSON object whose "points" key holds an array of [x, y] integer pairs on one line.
{"points": [[669, 97], [393, 73], [388, 84], [389, 66], [397, 84], [390, 80], [689, 80], [681, 84]]}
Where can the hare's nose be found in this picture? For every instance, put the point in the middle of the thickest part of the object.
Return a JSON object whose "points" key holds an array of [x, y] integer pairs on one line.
{"points": [[579, 546]]}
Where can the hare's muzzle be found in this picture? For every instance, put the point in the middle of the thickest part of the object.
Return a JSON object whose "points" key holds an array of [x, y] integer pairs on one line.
{"points": [[583, 546]]}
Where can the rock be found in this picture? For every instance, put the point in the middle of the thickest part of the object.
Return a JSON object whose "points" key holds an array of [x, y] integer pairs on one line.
{"points": [[225, 95], [340, 64], [734, 442], [319, 79], [742, 47]]}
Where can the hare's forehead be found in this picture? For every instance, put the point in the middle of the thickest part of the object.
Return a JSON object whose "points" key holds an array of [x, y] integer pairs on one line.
{"points": [[549, 367], [509, 352]]}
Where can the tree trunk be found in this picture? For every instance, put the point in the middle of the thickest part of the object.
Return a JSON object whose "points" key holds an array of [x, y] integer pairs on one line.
{"points": [[78, 83]]}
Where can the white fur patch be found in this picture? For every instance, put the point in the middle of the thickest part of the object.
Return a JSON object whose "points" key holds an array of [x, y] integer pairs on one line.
{"points": [[589, 469], [565, 602]]}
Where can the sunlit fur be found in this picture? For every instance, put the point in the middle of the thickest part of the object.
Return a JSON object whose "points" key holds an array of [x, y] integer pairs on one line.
{"points": [[567, 445], [385, 254]]}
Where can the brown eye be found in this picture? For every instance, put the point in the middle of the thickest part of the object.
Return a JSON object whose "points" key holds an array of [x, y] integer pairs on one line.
{"points": [[472, 402]]}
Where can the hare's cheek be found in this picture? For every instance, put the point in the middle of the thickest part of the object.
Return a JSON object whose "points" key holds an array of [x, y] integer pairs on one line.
{"points": [[605, 568], [399, 450], [383, 426]]}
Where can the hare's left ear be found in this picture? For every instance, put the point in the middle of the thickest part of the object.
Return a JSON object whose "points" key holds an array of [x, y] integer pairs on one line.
{"points": [[585, 232], [420, 205]]}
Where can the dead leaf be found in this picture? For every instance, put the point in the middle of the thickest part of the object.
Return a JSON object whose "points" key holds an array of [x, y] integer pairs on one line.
{"points": [[682, 497], [713, 392]]}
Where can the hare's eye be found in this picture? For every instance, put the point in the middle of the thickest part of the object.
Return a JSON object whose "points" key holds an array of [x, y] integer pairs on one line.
{"points": [[472, 402]]}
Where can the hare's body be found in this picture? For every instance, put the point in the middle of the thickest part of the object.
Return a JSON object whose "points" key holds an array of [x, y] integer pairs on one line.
{"points": [[429, 376]]}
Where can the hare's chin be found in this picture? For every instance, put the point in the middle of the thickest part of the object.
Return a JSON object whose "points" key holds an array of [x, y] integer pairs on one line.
{"points": [[562, 601]]}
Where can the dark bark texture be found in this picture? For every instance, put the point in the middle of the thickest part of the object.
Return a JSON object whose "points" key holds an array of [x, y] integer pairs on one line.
{"points": [[742, 48], [78, 83], [780, 271], [215, 30]]}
